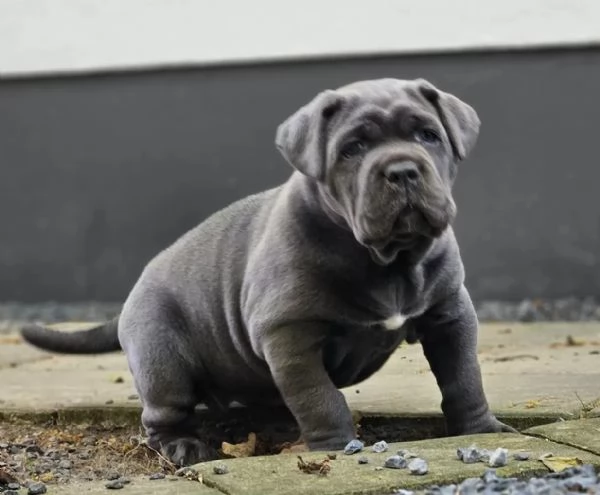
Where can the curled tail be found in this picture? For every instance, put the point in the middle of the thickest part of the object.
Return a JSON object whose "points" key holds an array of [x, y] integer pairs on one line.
{"points": [[100, 339]]}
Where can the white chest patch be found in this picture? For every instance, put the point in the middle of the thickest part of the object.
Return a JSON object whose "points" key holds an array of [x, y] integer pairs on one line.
{"points": [[394, 322]]}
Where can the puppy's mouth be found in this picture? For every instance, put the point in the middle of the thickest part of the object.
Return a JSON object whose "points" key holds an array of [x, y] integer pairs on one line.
{"points": [[411, 227]]}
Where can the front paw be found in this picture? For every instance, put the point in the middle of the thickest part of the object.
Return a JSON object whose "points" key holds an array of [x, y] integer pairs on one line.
{"points": [[489, 424]]}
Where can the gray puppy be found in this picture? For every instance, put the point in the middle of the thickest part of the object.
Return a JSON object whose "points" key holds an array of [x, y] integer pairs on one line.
{"points": [[295, 292]]}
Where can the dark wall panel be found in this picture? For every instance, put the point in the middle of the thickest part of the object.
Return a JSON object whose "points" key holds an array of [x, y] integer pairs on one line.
{"points": [[97, 174]]}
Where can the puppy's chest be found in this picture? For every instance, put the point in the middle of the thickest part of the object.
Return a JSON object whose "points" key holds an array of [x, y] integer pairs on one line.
{"points": [[396, 302]]}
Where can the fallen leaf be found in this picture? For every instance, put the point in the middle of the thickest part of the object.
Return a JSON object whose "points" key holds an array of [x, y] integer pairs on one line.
{"points": [[11, 339], [47, 477], [532, 404], [244, 449], [558, 464], [322, 468]]}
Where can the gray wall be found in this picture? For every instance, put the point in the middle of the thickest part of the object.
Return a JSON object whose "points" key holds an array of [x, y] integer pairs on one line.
{"points": [[99, 173]]}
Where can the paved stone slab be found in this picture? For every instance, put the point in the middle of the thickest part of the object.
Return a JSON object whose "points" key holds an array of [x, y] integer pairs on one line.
{"points": [[280, 474], [138, 486], [583, 434], [527, 368]]}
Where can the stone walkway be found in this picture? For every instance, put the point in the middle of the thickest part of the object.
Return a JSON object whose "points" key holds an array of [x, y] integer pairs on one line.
{"points": [[537, 371]]}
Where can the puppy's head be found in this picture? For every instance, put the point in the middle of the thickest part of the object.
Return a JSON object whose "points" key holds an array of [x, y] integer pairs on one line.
{"points": [[384, 154]]}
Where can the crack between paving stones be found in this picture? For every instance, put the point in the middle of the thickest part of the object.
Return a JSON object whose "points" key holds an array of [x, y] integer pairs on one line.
{"points": [[558, 442], [215, 486]]}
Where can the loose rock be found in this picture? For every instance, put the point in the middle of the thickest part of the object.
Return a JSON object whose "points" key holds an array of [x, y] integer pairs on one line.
{"points": [[418, 466], [498, 458], [380, 447], [157, 476], [115, 485], [353, 447], [13, 486], [363, 460], [469, 455], [65, 464], [112, 475], [395, 462], [220, 469], [36, 489]]}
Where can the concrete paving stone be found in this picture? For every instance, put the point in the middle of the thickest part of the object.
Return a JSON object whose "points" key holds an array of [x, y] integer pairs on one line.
{"points": [[583, 434], [138, 486], [280, 474], [527, 370]]}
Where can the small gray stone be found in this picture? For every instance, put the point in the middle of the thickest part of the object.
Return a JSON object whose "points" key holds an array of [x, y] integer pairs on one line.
{"points": [[353, 447], [65, 464], [115, 485], [363, 460], [521, 456], [395, 462], [157, 476], [380, 447], [220, 469], [13, 486], [469, 455], [36, 489], [499, 457], [403, 492], [112, 475], [10, 492], [418, 466], [13, 449]]}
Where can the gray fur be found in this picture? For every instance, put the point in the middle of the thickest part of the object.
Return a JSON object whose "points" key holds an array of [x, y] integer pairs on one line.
{"points": [[286, 295]]}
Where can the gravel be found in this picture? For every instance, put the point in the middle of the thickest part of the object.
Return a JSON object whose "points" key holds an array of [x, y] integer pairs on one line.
{"points": [[581, 479], [567, 309]]}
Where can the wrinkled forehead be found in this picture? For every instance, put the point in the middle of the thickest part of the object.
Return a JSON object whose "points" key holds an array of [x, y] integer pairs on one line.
{"points": [[385, 101]]}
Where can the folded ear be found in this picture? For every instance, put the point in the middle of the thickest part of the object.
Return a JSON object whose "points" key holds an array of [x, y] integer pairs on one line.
{"points": [[459, 119], [302, 138]]}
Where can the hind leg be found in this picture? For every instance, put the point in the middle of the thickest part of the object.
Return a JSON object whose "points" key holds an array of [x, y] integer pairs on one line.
{"points": [[169, 385]]}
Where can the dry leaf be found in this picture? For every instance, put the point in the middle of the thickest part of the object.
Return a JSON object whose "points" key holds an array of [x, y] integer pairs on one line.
{"points": [[11, 339], [532, 404], [244, 449], [558, 464], [322, 468]]}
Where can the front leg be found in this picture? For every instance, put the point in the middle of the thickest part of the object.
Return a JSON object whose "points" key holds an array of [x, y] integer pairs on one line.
{"points": [[294, 354], [449, 339]]}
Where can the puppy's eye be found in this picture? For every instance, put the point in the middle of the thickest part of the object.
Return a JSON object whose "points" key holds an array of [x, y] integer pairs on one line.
{"points": [[352, 149], [427, 136]]}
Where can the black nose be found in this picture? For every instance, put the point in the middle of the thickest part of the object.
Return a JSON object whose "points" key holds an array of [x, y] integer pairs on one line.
{"points": [[404, 171]]}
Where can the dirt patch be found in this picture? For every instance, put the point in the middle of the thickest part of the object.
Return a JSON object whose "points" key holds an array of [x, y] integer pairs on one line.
{"points": [[52, 454]]}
